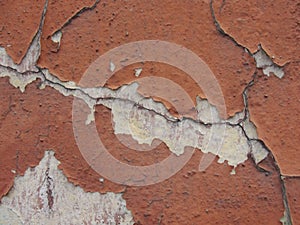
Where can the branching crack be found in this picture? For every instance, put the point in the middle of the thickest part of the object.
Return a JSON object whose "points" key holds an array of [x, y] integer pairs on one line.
{"points": [[92, 100], [247, 115], [38, 33]]}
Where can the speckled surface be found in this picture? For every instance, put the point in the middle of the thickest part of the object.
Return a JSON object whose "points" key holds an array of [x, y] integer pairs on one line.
{"points": [[224, 35]]}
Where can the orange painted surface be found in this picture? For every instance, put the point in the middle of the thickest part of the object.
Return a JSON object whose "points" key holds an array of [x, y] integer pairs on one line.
{"points": [[119, 23], [272, 24], [274, 108], [19, 23], [41, 119]]}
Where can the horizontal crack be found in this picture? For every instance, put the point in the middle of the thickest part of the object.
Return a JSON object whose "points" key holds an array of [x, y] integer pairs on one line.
{"points": [[63, 89]]}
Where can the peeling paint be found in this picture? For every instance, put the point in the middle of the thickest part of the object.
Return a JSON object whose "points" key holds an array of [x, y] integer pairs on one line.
{"points": [[28, 62], [56, 37], [145, 126], [18, 80], [44, 196], [151, 122], [112, 66], [264, 62], [137, 72], [154, 120]]}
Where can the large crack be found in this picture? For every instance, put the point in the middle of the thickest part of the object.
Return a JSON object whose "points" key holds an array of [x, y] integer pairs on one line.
{"points": [[26, 76], [286, 219], [20, 77], [105, 96]]}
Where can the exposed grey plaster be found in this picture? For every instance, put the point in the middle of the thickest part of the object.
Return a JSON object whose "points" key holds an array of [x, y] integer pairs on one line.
{"points": [[176, 133], [152, 119], [138, 71], [264, 62], [56, 37], [44, 196]]}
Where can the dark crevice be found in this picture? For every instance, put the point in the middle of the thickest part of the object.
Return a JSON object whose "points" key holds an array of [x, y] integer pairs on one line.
{"points": [[221, 31], [136, 104], [76, 15], [284, 193], [247, 115], [290, 177], [260, 169], [39, 31]]}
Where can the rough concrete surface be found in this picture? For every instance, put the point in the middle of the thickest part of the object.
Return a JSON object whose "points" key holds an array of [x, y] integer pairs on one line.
{"points": [[192, 117]]}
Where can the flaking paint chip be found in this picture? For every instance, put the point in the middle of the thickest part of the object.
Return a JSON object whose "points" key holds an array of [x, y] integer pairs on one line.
{"points": [[112, 66], [138, 71]]}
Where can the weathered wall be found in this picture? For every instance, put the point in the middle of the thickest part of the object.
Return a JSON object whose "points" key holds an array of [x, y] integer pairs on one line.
{"points": [[104, 117]]}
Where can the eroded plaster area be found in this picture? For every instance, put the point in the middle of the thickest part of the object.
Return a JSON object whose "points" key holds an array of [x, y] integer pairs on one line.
{"points": [[56, 37], [264, 62], [209, 133], [145, 119], [44, 196], [262, 59]]}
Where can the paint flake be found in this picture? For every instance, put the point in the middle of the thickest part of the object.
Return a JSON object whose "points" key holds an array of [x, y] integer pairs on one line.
{"points": [[264, 62]]}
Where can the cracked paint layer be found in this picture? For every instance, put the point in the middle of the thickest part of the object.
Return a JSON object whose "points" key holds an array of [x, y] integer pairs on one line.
{"points": [[44, 196], [26, 130], [292, 186], [82, 44], [145, 126], [272, 24], [234, 148], [32, 122], [264, 62], [279, 98], [20, 23]]}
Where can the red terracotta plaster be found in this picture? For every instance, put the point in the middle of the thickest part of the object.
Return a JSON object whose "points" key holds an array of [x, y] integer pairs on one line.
{"points": [[37, 120], [58, 14], [20, 22], [33, 122], [193, 197], [114, 23], [275, 110], [273, 24], [292, 185]]}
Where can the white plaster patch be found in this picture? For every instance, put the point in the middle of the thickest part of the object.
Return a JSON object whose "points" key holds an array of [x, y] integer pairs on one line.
{"points": [[264, 62], [9, 217], [146, 120], [28, 62], [18, 80], [44, 196], [112, 66], [138, 71], [57, 37], [145, 126], [258, 151], [207, 113]]}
